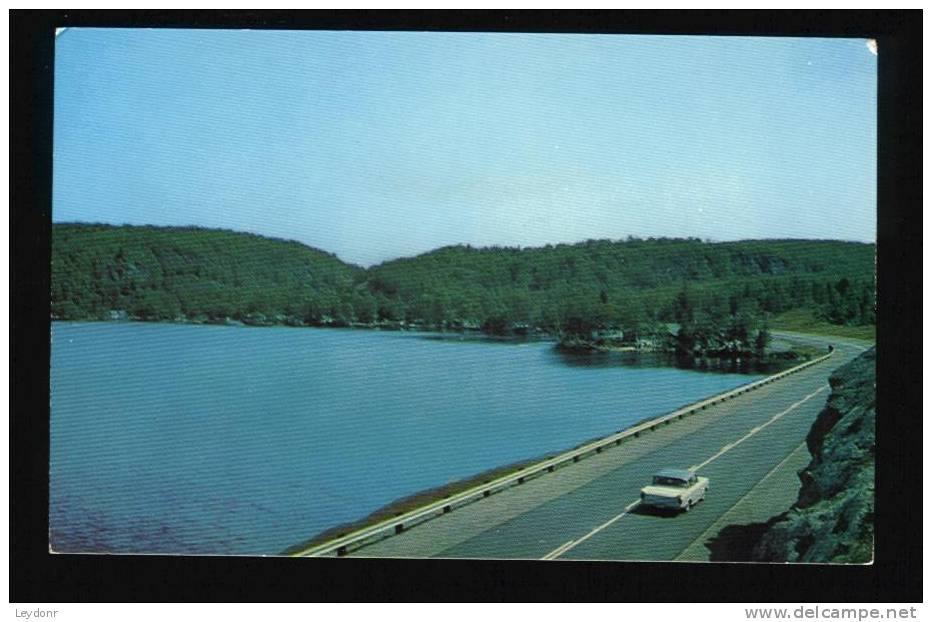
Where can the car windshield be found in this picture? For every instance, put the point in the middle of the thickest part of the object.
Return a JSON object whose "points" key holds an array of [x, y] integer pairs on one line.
{"points": [[668, 481]]}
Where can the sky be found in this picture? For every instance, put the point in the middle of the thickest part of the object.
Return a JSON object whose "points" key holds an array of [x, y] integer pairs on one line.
{"points": [[375, 145]]}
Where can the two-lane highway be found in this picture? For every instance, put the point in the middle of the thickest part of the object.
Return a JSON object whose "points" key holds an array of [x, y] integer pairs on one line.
{"points": [[590, 510]]}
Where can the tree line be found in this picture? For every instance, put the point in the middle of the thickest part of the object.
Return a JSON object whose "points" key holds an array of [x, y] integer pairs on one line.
{"points": [[710, 296]]}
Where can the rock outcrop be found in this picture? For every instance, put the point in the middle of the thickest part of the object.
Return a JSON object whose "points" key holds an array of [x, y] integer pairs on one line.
{"points": [[833, 517]]}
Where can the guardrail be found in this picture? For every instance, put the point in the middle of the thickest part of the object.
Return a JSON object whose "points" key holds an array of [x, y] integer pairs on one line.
{"points": [[353, 541]]}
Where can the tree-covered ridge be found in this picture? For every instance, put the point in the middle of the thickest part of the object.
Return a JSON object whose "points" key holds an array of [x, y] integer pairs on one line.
{"points": [[157, 273], [717, 293], [632, 282]]}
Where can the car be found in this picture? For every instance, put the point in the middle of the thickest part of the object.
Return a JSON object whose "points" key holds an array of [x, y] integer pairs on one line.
{"points": [[675, 489]]}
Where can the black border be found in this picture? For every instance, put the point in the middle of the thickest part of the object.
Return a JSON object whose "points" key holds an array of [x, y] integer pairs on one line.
{"points": [[895, 576]]}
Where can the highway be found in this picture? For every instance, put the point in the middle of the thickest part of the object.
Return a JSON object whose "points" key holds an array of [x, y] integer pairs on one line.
{"points": [[750, 448]]}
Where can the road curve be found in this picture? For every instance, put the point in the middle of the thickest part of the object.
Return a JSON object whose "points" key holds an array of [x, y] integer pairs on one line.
{"points": [[590, 510]]}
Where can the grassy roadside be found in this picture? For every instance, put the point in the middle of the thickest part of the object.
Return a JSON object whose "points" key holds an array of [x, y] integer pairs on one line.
{"points": [[802, 321], [412, 502]]}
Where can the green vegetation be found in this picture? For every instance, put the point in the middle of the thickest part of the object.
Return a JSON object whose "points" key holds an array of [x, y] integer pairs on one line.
{"points": [[409, 504], [713, 298], [177, 274], [700, 298], [805, 321], [833, 517]]}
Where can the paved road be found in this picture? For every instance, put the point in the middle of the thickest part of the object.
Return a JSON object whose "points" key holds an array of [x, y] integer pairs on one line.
{"points": [[589, 510]]}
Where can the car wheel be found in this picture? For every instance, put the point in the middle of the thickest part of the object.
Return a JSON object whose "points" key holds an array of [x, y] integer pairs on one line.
{"points": [[689, 504]]}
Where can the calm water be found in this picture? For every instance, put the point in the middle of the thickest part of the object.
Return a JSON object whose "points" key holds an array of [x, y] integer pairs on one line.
{"points": [[213, 439]]}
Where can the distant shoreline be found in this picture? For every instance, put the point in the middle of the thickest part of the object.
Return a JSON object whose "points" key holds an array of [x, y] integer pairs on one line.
{"points": [[537, 335], [708, 362]]}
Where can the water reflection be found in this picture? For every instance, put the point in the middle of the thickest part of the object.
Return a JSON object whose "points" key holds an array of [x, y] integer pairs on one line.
{"points": [[599, 359], [628, 358]]}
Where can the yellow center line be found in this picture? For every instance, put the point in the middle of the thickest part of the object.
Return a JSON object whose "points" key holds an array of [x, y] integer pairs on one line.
{"points": [[554, 554]]}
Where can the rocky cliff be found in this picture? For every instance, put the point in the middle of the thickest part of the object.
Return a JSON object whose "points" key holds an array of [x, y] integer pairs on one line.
{"points": [[833, 517]]}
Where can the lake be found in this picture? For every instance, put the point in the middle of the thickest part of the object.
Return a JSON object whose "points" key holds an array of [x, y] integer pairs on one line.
{"points": [[232, 440]]}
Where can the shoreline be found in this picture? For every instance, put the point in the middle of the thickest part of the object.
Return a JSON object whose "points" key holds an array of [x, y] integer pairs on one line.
{"points": [[391, 326], [772, 363], [411, 502], [425, 497]]}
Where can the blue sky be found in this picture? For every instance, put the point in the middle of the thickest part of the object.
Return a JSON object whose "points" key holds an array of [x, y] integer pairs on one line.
{"points": [[378, 145]]}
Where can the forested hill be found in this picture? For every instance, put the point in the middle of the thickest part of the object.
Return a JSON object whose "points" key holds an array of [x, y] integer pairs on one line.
{"points": [[208, 275], [634, 280], [157, 273]]}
